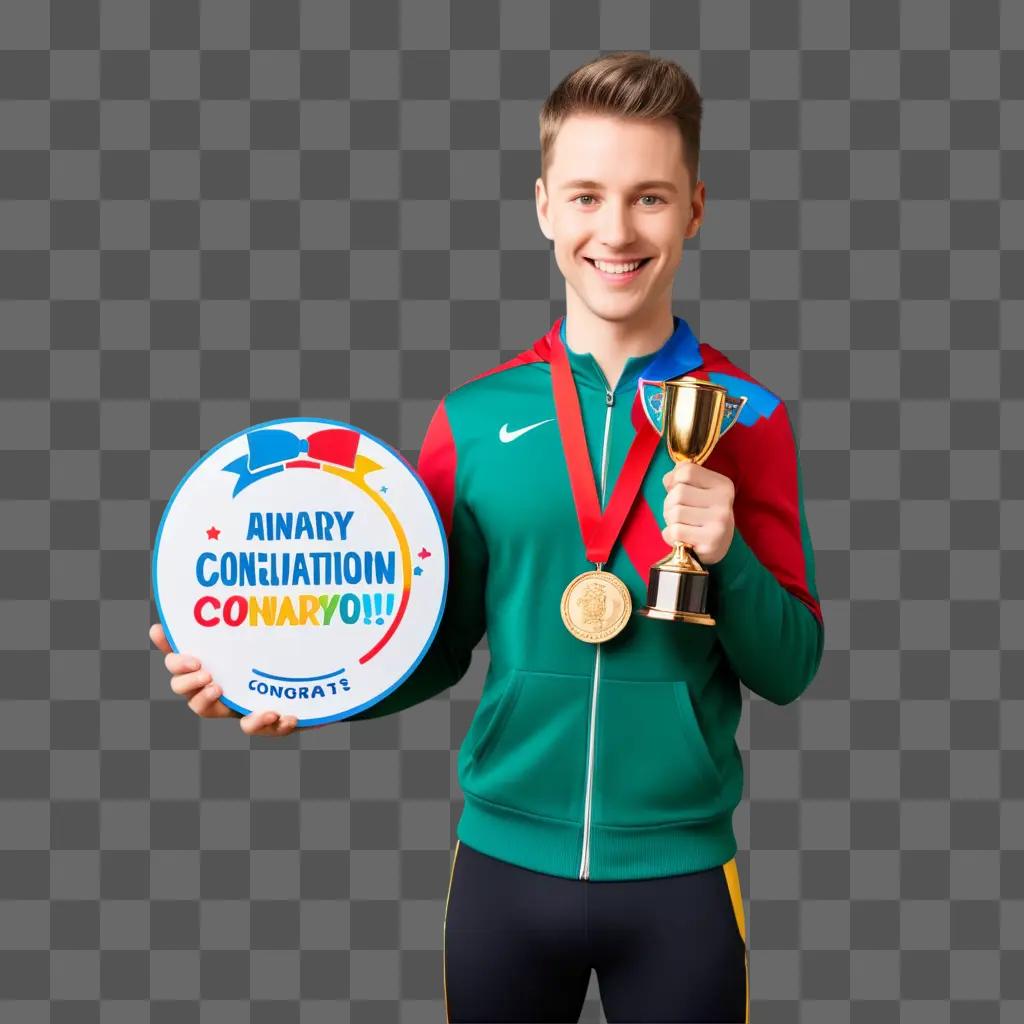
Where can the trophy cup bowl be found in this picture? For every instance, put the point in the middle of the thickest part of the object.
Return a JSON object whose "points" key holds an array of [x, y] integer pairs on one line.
{"points": [[694, 415]]}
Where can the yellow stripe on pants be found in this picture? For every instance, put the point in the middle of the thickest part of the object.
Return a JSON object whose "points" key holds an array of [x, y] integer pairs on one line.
{"points": [[732, 878], [444, 932]]}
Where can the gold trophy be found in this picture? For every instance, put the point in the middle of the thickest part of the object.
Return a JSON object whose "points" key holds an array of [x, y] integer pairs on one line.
{"points": [[694, 414]]}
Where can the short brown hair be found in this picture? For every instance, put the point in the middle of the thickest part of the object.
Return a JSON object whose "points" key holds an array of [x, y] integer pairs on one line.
{"points": [[626, 83]]}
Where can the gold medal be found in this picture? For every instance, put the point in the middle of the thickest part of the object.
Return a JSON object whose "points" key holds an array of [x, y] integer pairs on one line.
{"points": [[596, 606]]}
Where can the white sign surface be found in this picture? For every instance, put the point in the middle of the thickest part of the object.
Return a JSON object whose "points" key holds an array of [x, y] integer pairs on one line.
{"points": [[304, 562]]}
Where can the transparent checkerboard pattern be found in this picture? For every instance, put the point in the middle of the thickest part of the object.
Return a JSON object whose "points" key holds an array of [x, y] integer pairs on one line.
{"points": [[213, 215]]}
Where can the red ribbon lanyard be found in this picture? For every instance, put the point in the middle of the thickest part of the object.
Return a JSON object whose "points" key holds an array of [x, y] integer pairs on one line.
{"points": [[599, 530]]}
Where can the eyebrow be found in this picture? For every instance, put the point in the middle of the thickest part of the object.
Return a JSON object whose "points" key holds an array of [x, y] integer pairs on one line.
{"points": [[586, 183]]}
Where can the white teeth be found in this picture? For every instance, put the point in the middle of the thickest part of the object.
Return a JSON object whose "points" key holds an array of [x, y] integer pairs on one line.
{"points": [[616, 268]]}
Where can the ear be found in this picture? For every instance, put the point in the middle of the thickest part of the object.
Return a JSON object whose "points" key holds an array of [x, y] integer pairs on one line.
{"points": [[696, 210], [541, 198]]}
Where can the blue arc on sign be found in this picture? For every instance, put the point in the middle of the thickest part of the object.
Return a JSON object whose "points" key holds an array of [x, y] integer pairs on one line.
{"points": [[296, 679]]}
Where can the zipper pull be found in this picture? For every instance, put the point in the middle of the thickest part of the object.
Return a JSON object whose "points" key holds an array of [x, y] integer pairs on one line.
{"points": [[609, 397]]}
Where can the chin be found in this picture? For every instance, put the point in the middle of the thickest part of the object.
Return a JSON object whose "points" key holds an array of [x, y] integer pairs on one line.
{"points": [[614, 308]]}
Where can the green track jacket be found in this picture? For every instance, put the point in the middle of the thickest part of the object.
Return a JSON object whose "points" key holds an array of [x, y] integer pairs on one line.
{"points": [[615, 760]]}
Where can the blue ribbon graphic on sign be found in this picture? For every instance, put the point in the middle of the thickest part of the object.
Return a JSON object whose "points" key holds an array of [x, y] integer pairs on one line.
{"points": [[270, 450]]}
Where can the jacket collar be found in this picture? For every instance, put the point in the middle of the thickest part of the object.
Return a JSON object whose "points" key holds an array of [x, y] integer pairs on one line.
{"points": [[679, 354]]}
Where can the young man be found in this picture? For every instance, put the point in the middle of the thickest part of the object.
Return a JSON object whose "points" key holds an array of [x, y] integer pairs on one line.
{"points": [[612, 762], [601, 772]]}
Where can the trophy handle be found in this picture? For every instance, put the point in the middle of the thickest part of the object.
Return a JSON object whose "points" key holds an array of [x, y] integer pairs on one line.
{"points": [[653, 407], [733, 407]]}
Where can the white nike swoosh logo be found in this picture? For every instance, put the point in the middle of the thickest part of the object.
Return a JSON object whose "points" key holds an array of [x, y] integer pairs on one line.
{"points": [[507, 435]]}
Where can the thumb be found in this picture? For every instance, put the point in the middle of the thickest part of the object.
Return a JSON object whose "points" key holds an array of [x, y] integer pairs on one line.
{"points": [[156, 634]]}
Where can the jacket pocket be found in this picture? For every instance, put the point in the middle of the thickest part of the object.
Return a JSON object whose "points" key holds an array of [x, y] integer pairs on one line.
{"points": [[652, 763], [491, 726], [531, 753]]}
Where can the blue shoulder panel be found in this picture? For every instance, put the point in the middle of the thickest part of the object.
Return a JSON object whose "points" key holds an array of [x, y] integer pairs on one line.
{"points": [[760, 401]]}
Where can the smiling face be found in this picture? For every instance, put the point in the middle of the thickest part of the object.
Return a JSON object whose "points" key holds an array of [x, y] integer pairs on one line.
{"points": [[617, 192]]}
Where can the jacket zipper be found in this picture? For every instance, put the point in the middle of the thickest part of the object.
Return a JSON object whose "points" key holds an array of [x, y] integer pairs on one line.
{"points": [[585, 855]]}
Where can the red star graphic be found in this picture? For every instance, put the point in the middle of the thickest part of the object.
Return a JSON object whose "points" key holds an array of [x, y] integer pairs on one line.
{"points": [[423, 553], [213, 533]]}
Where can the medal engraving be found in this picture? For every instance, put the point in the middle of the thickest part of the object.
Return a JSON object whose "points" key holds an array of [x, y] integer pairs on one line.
{"points": [[596, 606]]}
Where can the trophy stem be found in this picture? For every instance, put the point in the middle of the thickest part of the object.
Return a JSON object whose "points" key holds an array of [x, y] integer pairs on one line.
{"points": [[680, 559]]}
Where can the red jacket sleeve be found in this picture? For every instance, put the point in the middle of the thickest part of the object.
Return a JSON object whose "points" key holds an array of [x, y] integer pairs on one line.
{"points": [[769, 616], [462, 624]]}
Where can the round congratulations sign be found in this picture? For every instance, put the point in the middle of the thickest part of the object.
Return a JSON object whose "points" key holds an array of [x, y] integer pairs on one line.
{"points": [[305, 564]]}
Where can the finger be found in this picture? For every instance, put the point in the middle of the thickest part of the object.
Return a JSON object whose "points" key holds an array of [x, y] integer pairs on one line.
{"points": [[285, 725], [677, 533], [206, 703], [156, 634], [685, 473], [688, 494], [188, 683], [688, 515], [702, 477], [254, 723], [181, 662]]}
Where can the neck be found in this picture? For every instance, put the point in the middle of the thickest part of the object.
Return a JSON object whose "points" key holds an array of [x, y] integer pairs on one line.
{"points": [[612, 342]]}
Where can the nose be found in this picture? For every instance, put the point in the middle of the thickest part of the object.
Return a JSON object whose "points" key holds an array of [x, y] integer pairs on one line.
{"points": [[616, 228]]}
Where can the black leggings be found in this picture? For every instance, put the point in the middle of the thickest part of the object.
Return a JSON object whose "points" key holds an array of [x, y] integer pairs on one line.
{"points": [[519, 945]]}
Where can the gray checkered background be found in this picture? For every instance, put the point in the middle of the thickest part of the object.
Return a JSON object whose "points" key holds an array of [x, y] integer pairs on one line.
{"points": [[217, 214]]}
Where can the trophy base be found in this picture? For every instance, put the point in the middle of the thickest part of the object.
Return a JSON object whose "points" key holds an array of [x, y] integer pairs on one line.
{"points": [[695, 617], [677, 595]]}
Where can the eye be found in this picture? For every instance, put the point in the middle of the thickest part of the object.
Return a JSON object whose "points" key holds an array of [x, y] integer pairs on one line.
{"points": [[649, 196]]}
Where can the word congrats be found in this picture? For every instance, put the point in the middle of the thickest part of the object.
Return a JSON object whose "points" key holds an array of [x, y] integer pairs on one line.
{"points": [[305, 563]]}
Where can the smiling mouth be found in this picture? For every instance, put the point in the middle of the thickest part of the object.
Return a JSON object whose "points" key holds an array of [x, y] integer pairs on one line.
{"points": [[623, 275]]}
